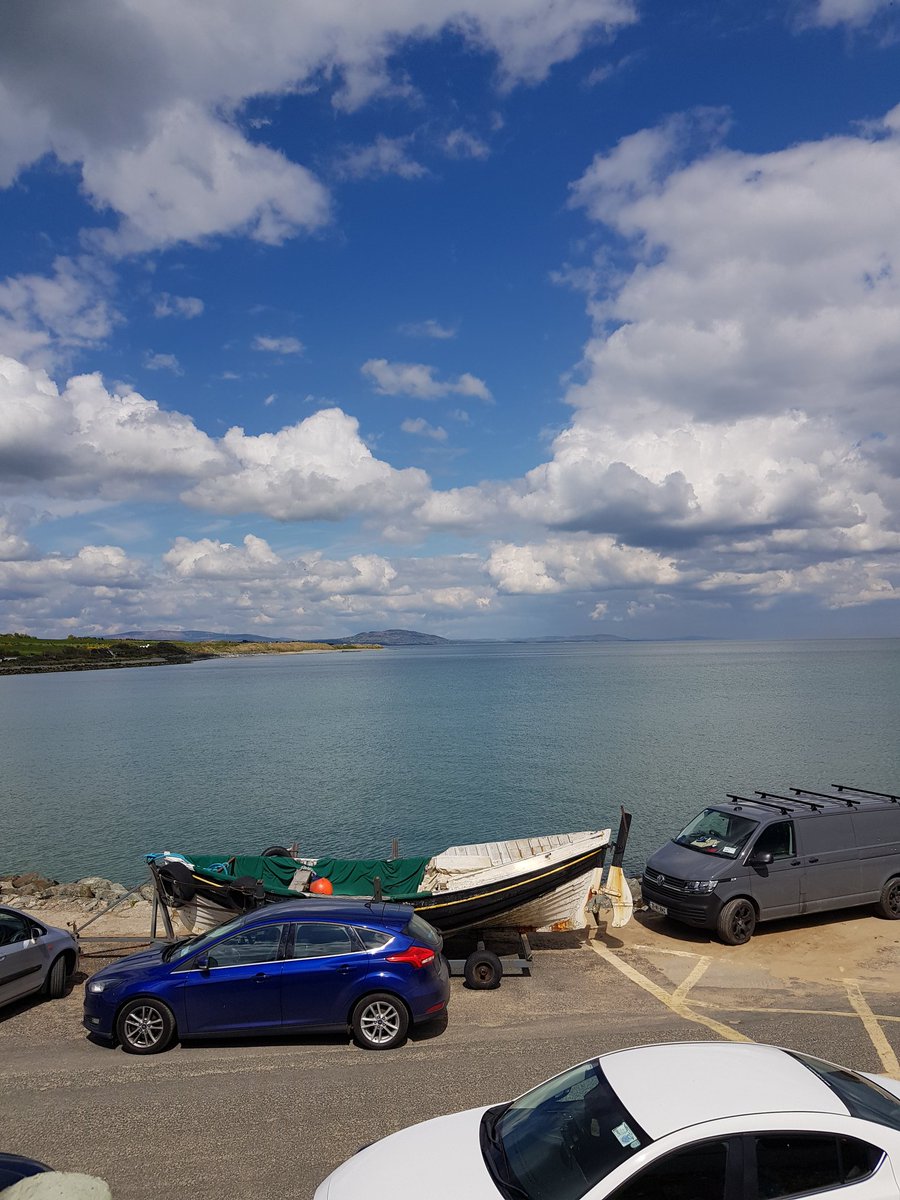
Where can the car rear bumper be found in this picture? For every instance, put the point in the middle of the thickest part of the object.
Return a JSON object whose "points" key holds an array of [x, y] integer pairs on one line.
{"points": [[428, 998]]}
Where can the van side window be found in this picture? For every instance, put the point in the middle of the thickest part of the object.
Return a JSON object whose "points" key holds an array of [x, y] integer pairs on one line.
{"points": [[777, 840]]}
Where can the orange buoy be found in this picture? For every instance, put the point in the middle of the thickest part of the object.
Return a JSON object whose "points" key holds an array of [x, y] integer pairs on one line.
{"points": [[321, 887]]}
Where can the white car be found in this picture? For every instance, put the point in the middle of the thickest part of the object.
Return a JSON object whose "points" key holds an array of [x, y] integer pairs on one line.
{"points": [[33, 957], [684, 1121]]}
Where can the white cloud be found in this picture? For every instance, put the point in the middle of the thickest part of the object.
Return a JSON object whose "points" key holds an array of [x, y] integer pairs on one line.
{"points": [[385, 156], [576, 564], [319, 468], [195, 177], [88, 442], [44, 316], [846, 12], [599, 611], [144, 99], [166, 305], [162, 362], [418, 380], [421, 428], [278, 345], [429, 329], [460, 143], [739, 403]]}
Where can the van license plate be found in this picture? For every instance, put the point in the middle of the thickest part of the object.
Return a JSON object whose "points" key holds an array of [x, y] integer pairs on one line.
{"points": [[659, 908]]}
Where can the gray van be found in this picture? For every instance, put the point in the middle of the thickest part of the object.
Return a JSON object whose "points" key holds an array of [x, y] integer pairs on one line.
{"points": [[757, 859]]}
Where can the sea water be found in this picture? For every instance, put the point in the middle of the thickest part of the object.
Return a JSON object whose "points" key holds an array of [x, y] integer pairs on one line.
{"points": [[342, 752]]}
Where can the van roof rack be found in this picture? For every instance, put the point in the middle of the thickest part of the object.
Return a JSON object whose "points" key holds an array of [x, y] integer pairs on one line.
{"points": [[846, 787], [792, 800], [739, 800], [848, 800]]}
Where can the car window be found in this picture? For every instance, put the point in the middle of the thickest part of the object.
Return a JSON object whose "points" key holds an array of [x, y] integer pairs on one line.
{"points": [[777, 840], [13, 929], [259, 944], [320, 939], [719, 833], [791, 1164], [373, 939], [695, 1173], [417, 927]]}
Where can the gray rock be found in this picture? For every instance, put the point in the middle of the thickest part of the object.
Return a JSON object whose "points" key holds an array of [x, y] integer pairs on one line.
{"points": [[32, 879], [75, 891]]}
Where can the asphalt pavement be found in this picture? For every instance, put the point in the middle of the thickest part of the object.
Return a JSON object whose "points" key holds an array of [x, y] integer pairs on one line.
{"points": [[250, 1118]]}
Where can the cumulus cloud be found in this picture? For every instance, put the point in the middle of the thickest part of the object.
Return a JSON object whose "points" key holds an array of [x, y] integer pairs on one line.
{"points": [[739, 401], [44, 316], [187, 307], [429, 329], [385, 156], [417, 379], [461, 143], [278, 345], [169, 156], [319, 468], [829, 13], [421, 428], [87, 441], [576, 564], [162, 362]]}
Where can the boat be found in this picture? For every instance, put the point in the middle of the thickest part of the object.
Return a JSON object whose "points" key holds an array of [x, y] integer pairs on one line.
{"points": [[521, 884]]}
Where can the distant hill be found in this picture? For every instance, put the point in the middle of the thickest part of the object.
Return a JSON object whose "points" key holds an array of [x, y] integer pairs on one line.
{"points": [[394, 637], [191, 635]]}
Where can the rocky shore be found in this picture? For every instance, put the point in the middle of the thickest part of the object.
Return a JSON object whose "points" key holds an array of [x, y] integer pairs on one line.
{"points": [[63, 904]]}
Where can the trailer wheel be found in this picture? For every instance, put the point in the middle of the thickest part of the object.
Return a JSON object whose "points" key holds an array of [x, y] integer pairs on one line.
{"points": [[483, 970], [889, 900]]}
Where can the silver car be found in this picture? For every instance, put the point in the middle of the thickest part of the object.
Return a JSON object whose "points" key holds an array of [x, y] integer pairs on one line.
{"points": [[33, 957]]}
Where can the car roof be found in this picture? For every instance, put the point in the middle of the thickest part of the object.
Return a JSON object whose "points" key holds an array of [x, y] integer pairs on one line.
{"points": [[336, 908], [670, 1087]]}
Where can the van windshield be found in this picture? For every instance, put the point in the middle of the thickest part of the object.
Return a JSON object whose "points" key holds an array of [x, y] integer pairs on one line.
{"points": [[714, 832]]}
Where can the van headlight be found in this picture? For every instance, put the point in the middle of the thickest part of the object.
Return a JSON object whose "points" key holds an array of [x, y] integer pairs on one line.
{"points": [[700, 886]]}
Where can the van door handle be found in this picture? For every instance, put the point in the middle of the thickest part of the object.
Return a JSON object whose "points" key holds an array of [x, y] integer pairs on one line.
{"points": [[795, 862], [813, 860]]}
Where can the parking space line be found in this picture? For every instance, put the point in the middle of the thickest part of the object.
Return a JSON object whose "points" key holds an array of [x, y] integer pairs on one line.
{"points": [[677, 1006], [688, 982], [873, 1029]]}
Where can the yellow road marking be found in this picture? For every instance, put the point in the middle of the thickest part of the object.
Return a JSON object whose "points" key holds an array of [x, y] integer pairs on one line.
{"points": [[794, 1012], [873, 1029], [677, 1006], [688, 982]]}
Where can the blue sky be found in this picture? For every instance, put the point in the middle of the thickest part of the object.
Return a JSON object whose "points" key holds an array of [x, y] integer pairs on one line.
{"points": [[513, 319]]}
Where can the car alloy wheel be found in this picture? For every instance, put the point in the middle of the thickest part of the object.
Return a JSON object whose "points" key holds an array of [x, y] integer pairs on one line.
{"points": [[380, 1021], [145, 1027]]}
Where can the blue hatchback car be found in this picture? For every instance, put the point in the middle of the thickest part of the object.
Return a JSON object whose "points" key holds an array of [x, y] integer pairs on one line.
{"points": [[319, 964]]}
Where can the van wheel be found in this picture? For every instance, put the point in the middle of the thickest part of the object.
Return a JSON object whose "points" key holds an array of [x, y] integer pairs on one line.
{"points": [[736, 922], [889, 900]]}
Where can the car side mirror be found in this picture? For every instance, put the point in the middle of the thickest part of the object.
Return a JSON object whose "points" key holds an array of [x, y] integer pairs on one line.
{"points": [[201, 963], [762, 859]]}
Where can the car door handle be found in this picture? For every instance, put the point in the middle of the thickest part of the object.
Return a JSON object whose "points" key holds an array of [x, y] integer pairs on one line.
{"points": [[813, 860], [795, 862], [258, 978], [344, 970]]}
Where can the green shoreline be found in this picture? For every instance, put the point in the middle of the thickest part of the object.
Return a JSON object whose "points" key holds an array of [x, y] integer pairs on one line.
{"points": [[21, 654]]}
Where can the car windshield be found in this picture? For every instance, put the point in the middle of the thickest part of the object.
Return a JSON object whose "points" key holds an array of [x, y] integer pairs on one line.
{"points": [[192, 945], [863, 1097], [560, 1140], [714, 832]]}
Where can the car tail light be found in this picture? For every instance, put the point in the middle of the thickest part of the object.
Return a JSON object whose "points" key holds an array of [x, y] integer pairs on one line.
{"points": [[416, 956]]}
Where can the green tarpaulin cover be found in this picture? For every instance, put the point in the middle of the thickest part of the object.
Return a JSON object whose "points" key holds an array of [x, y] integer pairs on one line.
{"points": [[400, 878]]}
